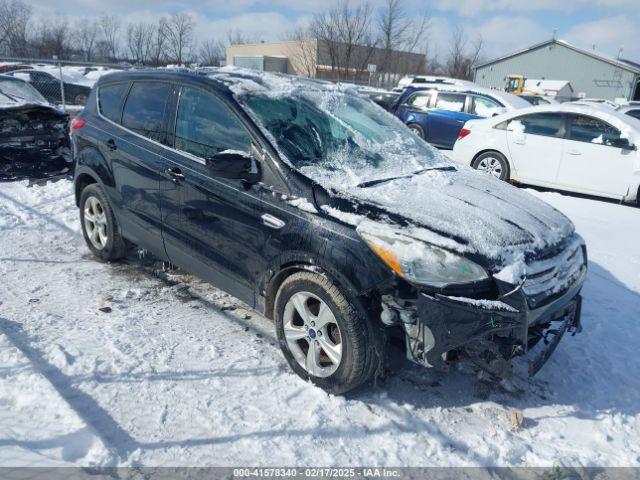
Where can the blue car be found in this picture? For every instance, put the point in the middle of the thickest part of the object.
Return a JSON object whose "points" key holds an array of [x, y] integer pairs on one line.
{"points": [[438, 115]]}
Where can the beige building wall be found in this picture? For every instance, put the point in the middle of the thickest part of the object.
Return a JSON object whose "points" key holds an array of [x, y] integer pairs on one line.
{"points": [[301, 55]]}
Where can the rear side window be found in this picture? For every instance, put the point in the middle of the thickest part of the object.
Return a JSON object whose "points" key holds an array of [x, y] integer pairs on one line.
{"points": [[592, 130], [484, 107], [546, 124], [110, 100], [144, 109], [205, 126], [451, 102]]}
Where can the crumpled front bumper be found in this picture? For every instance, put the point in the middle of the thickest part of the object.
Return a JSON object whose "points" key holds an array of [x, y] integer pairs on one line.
{"points": [[508, 325]]}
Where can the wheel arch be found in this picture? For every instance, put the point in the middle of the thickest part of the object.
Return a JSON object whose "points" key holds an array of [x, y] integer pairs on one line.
{"points": [[82, 181], [91, 167], [512, 171], [275, 277], [487, 150]]}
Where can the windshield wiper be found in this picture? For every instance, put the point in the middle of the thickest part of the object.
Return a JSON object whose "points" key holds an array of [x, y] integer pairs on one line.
{"points": [[371, 183], [8, 96]]}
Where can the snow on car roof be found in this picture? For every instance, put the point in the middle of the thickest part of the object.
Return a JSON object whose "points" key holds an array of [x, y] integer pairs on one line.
{"points": [[509, 100], [242, 81]]}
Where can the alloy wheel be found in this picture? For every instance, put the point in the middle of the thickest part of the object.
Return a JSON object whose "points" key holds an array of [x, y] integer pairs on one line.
{"points": [[312, 334], [95, 223], [490, 165]]}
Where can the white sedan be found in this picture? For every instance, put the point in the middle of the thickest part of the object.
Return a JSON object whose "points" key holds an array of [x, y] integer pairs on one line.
{"points": [[578, 148]]}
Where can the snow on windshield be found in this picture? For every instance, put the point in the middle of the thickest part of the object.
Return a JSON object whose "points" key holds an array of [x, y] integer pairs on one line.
{"points": [[339, 138]]}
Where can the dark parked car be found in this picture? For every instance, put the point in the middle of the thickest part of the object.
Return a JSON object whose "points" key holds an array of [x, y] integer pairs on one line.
{"points": [[34, 135], [383, 98], [438, 114], [49, 87], [319, 209]]}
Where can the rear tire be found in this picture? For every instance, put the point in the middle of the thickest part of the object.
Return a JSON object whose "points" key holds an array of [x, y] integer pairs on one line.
{"points": [[418, 130], [332, 343], [99, 226], [493, 163]]}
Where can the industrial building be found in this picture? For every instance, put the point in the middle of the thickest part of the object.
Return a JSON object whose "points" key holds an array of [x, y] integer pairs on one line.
{"points": [[322, 59], [590, 74]]}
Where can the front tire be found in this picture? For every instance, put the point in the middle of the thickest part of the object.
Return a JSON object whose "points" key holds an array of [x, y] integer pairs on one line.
{"points": [[418, 130], [324, 336], [99, 226], [494, 164]]}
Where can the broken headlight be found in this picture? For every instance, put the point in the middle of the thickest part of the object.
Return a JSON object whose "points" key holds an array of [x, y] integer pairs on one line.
{"points": [[419, 262]]}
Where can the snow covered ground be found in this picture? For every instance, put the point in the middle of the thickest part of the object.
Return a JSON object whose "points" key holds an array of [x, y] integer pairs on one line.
{"points": [[178, 373]]}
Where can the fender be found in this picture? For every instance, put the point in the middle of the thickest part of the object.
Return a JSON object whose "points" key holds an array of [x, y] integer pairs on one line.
{"points": [[293, 261], [91, 163]]}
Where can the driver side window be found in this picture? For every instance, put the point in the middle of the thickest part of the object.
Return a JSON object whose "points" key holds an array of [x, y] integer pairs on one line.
{"points": [[205, 126], [420, 101]]}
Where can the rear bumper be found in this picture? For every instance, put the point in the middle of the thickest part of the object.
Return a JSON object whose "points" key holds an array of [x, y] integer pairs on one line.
{"points": [[508, 326], [47, 159]]}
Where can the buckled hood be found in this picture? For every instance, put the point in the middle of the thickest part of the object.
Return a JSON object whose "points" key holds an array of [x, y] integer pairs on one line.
{"points": [[467, 211]]}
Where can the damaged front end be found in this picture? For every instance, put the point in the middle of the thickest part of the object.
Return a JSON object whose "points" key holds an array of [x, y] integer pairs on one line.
{"points": [[493, 326], [34, 142]]}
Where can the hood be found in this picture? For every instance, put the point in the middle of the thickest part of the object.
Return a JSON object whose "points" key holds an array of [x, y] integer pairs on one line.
{"points": [[462, 210]]}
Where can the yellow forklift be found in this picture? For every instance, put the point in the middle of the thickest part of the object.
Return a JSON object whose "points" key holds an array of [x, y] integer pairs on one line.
{"points": [[515, 84]]}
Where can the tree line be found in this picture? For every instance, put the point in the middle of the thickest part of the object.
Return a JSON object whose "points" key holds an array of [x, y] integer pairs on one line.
{"points": [[352, 32]]}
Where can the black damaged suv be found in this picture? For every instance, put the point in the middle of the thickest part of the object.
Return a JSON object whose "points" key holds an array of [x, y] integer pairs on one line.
{"points": [[319, 209]]}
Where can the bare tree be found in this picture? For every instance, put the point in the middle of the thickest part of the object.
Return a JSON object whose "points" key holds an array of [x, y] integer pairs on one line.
{"points": [[179, 36], [212, 53], [238, 37], [303, 52], [158, 40], [14, 19], [140, 41], [110, 29], [402, 31], [85, 36], [462, 55], [345, 33], [52, 38]]}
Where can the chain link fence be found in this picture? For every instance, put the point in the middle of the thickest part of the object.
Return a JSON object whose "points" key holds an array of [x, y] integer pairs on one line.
{"points": [[65, 83]]}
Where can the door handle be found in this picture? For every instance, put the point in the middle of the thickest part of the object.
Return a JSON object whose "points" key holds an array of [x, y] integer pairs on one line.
{"points": [[175, 173], [111, 144], [272, 222], [574, 152]]}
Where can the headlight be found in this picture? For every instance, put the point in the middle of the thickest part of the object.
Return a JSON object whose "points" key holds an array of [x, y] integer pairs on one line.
{"points": [[419, 262]]}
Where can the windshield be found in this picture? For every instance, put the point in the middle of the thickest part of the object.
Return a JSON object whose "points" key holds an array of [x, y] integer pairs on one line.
{"points": [[341, 138], [20, 90]]}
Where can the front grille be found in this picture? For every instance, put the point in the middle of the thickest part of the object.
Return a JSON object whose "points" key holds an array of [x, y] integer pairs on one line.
{"points": [[548, 278]]}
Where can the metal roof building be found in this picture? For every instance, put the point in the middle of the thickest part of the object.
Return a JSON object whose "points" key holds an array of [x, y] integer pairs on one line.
{"points": [[591, 74]]}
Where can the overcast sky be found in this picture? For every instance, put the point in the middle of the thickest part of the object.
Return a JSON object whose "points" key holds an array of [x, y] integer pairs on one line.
{"points": [[505, 25]]}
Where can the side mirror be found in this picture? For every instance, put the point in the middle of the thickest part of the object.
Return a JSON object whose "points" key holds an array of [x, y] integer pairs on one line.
{"points": [[623, 143], [234, 165]]}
